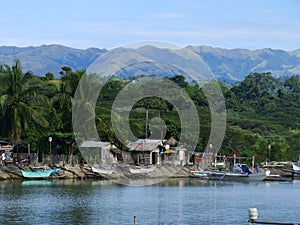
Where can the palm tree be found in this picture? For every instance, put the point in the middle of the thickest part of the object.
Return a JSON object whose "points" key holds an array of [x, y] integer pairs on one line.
{"points": [[71, 78], [20, 101], [62, 100], [62, 103]]}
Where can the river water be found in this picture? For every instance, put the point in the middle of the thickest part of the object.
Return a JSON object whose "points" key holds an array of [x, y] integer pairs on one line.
{"points": [[175, 201]]}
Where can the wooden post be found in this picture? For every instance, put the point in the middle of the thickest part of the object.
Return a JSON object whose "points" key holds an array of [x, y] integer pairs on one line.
{"points": [[134, 220]]}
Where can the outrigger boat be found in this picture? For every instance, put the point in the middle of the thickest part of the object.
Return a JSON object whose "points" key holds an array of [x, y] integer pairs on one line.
{"points": [[240, 172], [296, 167], [101, 171], [141, 170], [39, 174]]}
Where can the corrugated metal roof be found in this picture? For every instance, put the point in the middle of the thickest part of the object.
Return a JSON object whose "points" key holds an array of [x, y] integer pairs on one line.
{"points": [[94, 144], [144, 145]]}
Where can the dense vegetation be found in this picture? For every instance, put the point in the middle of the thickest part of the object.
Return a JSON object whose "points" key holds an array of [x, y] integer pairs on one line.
{"points": [[261, 111]]}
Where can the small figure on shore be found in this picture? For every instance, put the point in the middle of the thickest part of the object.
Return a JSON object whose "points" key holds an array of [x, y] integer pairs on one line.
{"points": [[3, 159], [230, 167], [15, 160], [256, 167]]}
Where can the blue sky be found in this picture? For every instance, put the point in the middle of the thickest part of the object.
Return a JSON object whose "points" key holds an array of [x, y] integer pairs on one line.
{"points": [[251, 24]]}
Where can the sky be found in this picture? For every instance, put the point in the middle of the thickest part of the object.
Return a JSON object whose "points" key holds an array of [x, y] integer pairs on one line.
{"points": [[251, 24]]}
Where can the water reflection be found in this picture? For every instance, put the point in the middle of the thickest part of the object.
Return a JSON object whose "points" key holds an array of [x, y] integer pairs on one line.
{"points": [[174, 201], [37, 182]]}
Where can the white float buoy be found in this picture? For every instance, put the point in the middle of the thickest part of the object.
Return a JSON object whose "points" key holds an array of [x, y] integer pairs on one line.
{"points": [[253, 213]]}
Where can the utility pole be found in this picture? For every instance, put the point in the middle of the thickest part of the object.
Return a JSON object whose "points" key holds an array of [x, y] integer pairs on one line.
{"points": [[50, 140], [269, 147]]}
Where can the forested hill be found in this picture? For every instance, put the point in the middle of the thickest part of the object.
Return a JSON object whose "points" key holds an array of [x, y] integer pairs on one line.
{"points": [[49, 58], [261, 111], [225, 64]]}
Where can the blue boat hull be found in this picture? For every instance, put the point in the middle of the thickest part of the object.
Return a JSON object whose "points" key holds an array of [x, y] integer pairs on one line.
{"points": [[39, 174]]}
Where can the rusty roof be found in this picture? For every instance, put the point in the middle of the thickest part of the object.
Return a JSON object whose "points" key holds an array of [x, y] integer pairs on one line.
{"points": [[144, 145]]}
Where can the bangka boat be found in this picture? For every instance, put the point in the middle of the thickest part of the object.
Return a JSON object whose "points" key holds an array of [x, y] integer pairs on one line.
{"points": [[39, 174], [296, 167], [240, 172], [199, 174], [141, 169], [102, 171]]}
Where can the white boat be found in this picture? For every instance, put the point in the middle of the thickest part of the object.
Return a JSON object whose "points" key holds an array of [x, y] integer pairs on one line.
{"points": [[141, 170], [240, 172], [260, 176], [102, 170], [199, 174], [296, 168]]}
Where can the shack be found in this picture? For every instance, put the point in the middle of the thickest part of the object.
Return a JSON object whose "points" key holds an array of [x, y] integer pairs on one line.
{"points": [[98, 152], [146, 151], [6, 152]]}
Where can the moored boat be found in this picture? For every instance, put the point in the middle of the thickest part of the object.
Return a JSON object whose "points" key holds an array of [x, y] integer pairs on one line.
{"points": [[296, 167], [260, 176], [199, 174], [102, 171], [39, 174], [240, 172], [141, 170]]}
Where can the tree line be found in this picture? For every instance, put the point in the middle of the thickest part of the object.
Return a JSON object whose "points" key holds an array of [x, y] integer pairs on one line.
{"points": [[263, 113]]}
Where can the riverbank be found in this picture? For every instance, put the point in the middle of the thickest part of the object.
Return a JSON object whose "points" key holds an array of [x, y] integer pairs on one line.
{"points": [[85, 171]]}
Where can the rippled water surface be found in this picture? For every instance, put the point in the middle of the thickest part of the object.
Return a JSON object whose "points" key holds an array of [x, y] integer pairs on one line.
{"points": [[175, 201]]}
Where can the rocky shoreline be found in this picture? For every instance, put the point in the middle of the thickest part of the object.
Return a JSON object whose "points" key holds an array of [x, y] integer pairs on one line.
{"points": [[85, 171], [77, 171]]}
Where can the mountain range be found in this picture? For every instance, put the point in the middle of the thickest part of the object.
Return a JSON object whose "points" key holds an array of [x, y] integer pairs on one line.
{"points": [[49, 58], [223, 64]]}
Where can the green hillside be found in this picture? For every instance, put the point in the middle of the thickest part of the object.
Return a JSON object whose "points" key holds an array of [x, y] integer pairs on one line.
{"points": [[261, 111]]}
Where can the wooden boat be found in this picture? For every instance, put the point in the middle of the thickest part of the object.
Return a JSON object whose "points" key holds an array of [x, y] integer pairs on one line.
{"points": [[141, 170], [274, 177], [248, 177], [39, 174], [199, 174], [296, 167], [103, 171], [240, 172]]}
